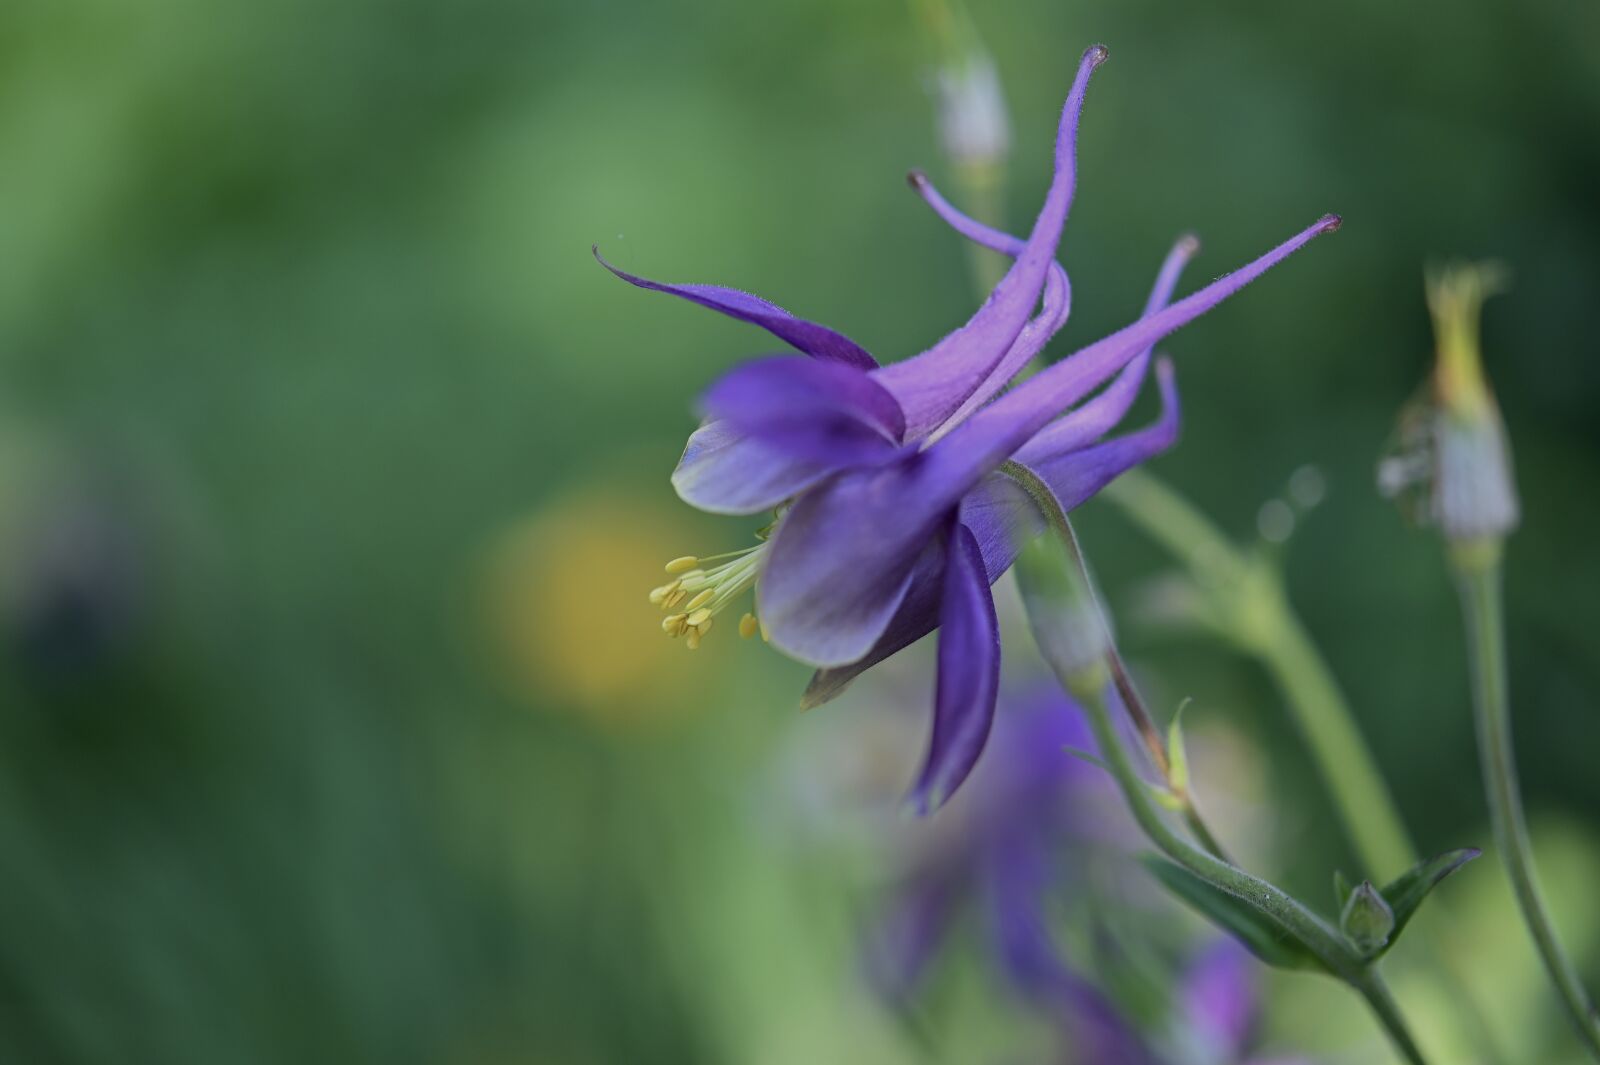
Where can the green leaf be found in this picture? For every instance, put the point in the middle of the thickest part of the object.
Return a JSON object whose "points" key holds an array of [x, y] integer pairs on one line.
{"points": [[1406, 892], [1177, 756], [1259, 934]]}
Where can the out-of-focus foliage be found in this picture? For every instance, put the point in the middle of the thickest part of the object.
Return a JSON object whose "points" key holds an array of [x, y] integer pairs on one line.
{"points": [[334, 725]]}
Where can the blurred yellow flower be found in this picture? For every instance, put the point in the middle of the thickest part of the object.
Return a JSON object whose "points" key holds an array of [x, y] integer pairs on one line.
{"points": [[561, 596]]}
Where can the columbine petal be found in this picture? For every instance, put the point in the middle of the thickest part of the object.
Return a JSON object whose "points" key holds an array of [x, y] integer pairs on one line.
{"points": [[1100, 415], [1074, 476], [815, 340], [1057, 303], [833, 582], [723, 471], [1016, 885], [969, 674], [994, 432], [917, 615], [824, 411], [933, 385], [863, 530], [1000, 517], [991, 435]]}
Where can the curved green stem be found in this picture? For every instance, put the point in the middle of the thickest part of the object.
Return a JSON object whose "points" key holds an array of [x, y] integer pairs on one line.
{"points": [[1132, 701], [1479, 581], [1256, 614], [1250, 608], [1365, 806], [1271, 901]]}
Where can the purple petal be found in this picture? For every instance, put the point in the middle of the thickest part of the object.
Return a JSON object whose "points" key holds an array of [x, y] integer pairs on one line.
{"points": [[841, 561], [832, 583], [825, 411], [991, 435], [969, 674], [933, 385], [815, 340], [1074, 476], [916, 616], [1052, 314], [1018, 882], [1099, 415], [1000, 517], [1220, 998], [724, 471]]}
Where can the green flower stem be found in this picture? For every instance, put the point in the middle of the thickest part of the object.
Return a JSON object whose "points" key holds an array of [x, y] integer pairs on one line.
{"points": [[1366, 808], [983, 186], [1136, 705], [1477, 571], [1132, 701], [1270, 901], [1248, 606]]}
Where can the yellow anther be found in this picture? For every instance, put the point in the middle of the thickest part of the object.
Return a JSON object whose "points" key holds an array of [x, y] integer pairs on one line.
{"points": [[702, 586], [747, 626]]}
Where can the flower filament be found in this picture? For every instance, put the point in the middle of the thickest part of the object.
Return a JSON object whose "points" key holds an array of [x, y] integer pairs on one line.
{"points": [[697, 592]]}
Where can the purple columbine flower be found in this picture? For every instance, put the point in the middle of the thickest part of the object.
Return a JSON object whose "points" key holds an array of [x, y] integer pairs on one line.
{"points": [[892, 518], [1012, 843]]}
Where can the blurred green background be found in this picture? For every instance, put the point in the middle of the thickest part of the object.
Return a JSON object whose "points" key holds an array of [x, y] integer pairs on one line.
{"points": [[334, 725]]}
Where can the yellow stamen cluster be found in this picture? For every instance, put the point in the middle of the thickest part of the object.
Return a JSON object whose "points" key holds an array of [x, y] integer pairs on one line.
{"points": [[698, 592]]}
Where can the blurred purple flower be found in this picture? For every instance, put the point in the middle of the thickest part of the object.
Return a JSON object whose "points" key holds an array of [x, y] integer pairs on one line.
{"points": [[1000, 853], [1221, 1006], [892, 517]]}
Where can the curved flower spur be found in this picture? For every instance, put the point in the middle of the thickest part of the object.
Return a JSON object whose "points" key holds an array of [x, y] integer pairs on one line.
{"points": [[891, 516]]}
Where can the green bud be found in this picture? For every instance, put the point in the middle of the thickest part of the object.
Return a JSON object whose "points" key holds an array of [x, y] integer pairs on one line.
{"points": [[1452, 449], [1367, 919], [1063, 615]]}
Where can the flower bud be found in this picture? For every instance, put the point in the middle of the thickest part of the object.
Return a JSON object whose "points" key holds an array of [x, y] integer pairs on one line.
{"points": [[1367, 919], [974, 128], [1063, 615], [1453, 448], [973, 125]]}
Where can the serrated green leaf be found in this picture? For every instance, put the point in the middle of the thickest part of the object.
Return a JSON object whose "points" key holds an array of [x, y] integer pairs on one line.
{"points": [[1406, 892], [1273, 945], [1177, 755]]}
